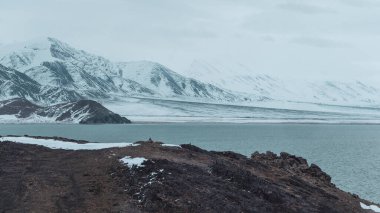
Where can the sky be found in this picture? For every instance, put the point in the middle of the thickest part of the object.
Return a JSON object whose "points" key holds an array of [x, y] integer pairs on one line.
{"points": [[324, 39]]}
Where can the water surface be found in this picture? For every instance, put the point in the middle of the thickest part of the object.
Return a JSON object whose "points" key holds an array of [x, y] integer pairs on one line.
{"points": [[349, 153]]}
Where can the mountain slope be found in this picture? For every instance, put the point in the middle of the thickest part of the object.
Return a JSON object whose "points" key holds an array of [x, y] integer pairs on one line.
{"points": [[83, 112], [52, 72], [14, 84], [53, 63], [343, 92], [167, 83], [237, 77]]}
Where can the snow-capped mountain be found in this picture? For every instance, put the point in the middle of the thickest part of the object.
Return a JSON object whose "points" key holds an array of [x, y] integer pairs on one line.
{"points": [[83, 112], [166, 82], [237, 77], [48, 71], [53, 63], [15, 84]]}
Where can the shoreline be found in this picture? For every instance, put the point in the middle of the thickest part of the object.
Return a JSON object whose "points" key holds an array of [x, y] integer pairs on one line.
{"points": [[266, 182], [264, 122]]}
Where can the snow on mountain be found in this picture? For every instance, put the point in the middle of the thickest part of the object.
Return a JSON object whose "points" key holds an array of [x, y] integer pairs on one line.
{"points": [[22, 56], [351, 93], [167, 83], [14, 84], [48, 71], [237, 77], [83, 111], [53, 63]]}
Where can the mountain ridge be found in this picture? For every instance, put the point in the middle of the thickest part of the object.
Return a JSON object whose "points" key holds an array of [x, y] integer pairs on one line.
{"points": [[54, 63], [82, 112], [49, 72], [244, 79]]}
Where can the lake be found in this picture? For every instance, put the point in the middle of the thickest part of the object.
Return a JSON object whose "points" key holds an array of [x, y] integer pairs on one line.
{"points": [[349, 153]]}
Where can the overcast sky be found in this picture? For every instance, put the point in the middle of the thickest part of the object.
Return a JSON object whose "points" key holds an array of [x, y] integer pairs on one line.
{"points": [[319, 39]]}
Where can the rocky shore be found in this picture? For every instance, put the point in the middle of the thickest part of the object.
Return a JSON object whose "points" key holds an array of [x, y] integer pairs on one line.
{"points": [[155, 177]]}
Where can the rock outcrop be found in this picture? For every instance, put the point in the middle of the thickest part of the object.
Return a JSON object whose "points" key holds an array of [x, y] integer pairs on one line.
{"points": [[170, 179], [83, 112]]}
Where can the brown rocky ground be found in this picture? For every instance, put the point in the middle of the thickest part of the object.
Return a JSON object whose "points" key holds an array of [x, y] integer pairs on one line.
{"points": [[188, 179]]}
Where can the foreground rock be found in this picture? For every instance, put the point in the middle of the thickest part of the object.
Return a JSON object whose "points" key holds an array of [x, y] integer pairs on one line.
{"points": [[154, 177], [83, 112]]}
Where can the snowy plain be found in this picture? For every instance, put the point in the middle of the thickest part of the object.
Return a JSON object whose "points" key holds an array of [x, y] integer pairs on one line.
{"points": [[158, 110]]}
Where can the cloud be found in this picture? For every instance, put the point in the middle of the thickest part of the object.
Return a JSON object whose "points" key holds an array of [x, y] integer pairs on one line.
{"points": [[362, 3], [320, 42], [305, 8], [268, 38], [269, 35]]}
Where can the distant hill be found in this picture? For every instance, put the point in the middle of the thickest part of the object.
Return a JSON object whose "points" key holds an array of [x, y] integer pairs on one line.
{"points": [[82, 112]]}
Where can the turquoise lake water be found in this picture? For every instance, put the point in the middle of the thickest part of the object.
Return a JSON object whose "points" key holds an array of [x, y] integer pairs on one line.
{"points": [[349, 153]]}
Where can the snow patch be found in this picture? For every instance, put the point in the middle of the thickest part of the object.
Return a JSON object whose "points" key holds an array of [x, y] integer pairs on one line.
{"points": [[171, 145], [8, 118], [371, 207], [56, 144], [130, 162]]}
